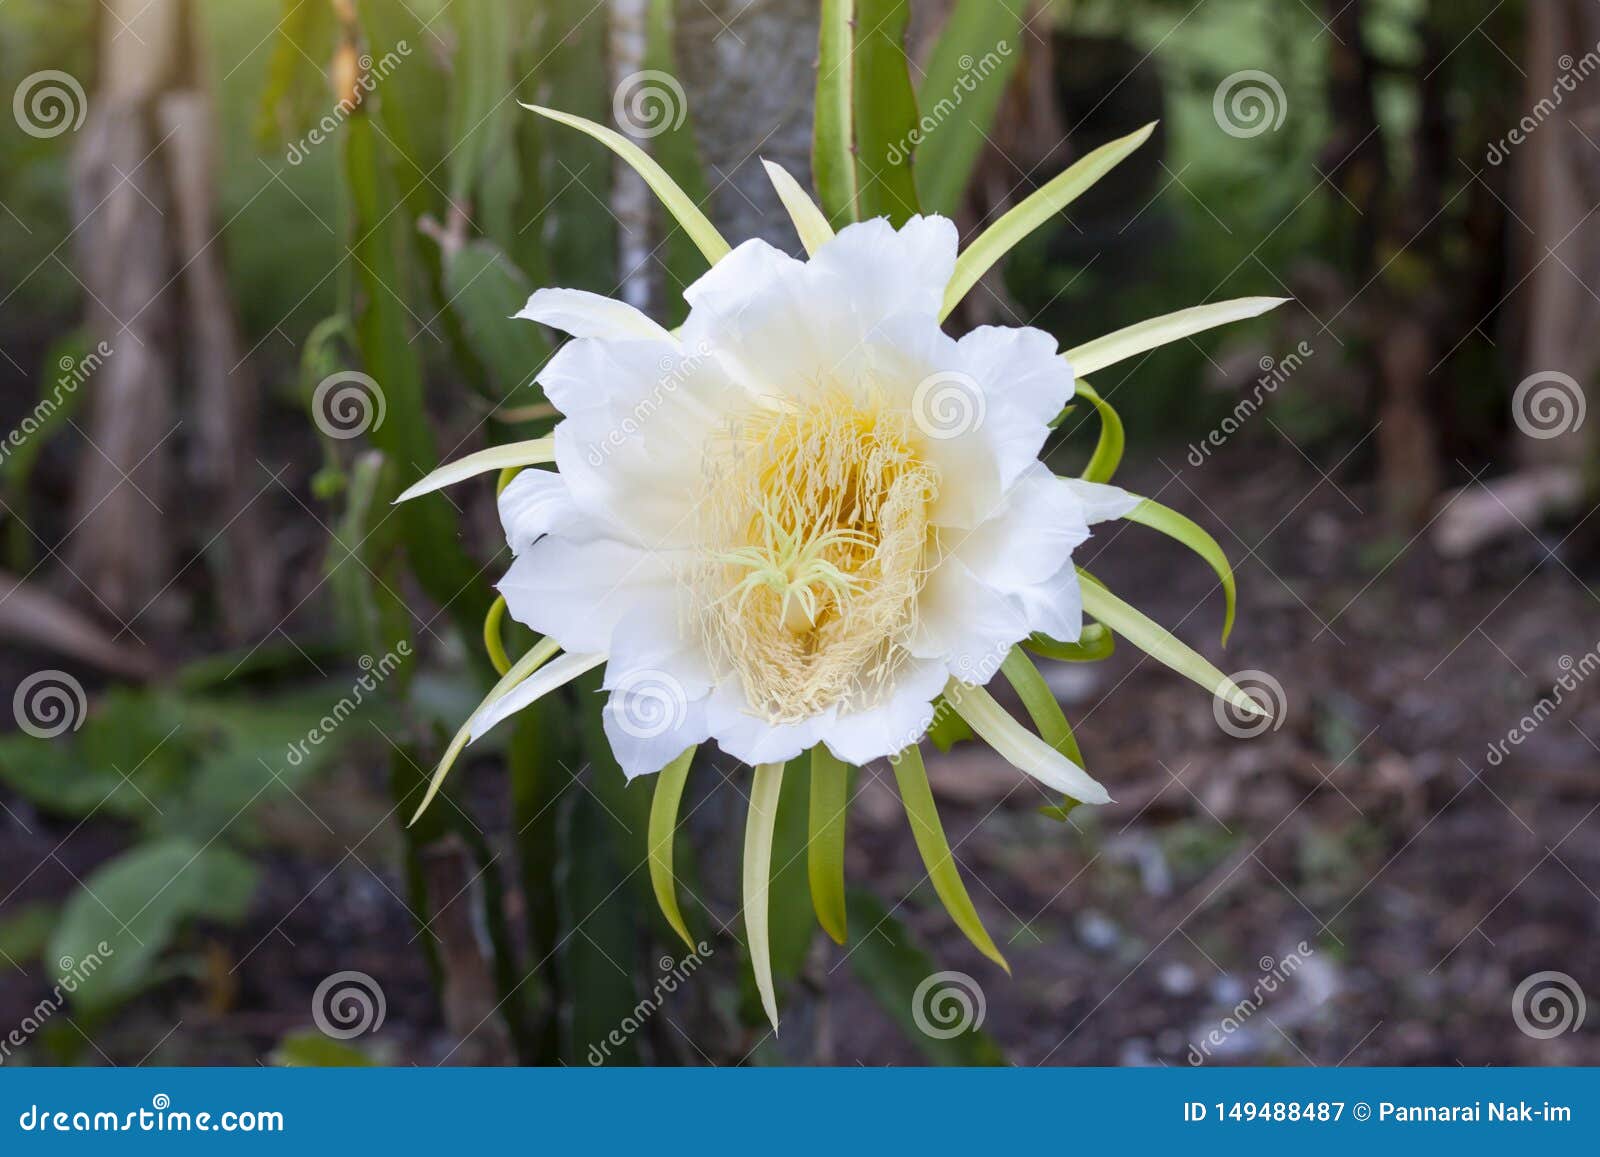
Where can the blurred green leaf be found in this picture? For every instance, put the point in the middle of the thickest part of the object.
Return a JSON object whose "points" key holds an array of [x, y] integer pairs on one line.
{"points": [[893, 969], [310, 1049], [885, 112], [833, 167], [967, 75], [130, 908], [485, 291]]}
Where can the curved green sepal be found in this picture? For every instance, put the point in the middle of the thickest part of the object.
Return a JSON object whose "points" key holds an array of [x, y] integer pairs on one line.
{"points": [[678, 203], [540, 654], [1021, 748], [1040, 704], [1159, 331], [1039, 207], [492, 642], [533, 452], [1185, 530], [809, 222], [830, 805], [663, 826], [759, 824], [1047, 716], [1096, 642], [1162, 645], [923, 814], [1108, 450]]}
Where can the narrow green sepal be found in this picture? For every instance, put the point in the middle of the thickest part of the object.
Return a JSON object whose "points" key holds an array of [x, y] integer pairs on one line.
{"points": [[830, 803], [912, 776], [662, 830]]}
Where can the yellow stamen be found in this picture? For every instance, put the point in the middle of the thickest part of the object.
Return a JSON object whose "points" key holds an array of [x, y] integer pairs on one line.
{"points": [[815, 531]]}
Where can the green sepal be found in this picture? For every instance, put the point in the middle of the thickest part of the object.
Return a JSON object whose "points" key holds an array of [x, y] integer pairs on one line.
{"points": [[760, 823], [830, 804], [915, 793], [1108, 450], [1096, 642], [663, 826], [1185, 530]]}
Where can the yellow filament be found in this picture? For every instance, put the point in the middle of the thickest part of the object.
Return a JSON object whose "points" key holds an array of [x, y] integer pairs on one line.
{"points": [[815, 532]]}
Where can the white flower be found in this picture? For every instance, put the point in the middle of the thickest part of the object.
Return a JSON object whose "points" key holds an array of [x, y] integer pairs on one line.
{"points": [[764, 511], [799, 520]]}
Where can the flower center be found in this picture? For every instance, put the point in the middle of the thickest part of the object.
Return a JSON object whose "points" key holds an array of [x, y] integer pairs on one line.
{"points": [[814, 534]]}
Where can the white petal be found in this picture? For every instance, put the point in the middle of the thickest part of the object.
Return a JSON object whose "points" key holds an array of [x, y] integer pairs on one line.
{"points": [[584, 314], [751, 739], [1030, 537], [591, 373], [965, 624], [647, 732], [1100, 501], [536, 503], [648, 651], [555, 674], [862, 736], [885, 270], [577, 592], [623, 476], [1054, 607], [1022, 366], [752, 267]]}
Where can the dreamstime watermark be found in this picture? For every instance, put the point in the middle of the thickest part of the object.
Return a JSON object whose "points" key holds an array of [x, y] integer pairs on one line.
{"points": [[74, 372], [648, 703], [1274, 373], [376, 671], [947, 1004], [49, 703], [973, 73], [1261, 688], [1548, 404], [648, 103], [1573, 674], [1573, 73], [347, 404], [672, 372], [348, 1004], [673, 974], [1249, 103], [71, 977], [160, 1117], [1547, 1004], [948, 404], [1274, 974], [370, 74], [49, 103]]}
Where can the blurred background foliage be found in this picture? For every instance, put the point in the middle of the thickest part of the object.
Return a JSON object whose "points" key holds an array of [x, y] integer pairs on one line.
{"points": [[397, 247]]}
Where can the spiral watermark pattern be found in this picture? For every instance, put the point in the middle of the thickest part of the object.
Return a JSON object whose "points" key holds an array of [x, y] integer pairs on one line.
{"points": [[649, 103], [1262, 688], [49, 103], [948, 1004], [1548, 404], [348, 1004], [348, 404], [948, 404], [1547, 1004], [49, 703], [648, 703], [1249, 103]]}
